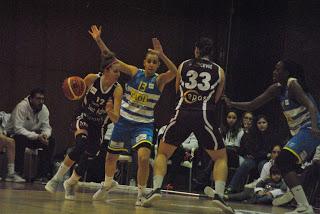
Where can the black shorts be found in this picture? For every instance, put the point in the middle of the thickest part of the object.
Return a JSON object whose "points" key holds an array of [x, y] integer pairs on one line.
{"points": [[96, 132], [201, 123]]}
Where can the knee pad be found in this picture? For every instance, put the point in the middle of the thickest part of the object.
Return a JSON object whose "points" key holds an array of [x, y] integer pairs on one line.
{"points": [[80, 147], [287, 162]]}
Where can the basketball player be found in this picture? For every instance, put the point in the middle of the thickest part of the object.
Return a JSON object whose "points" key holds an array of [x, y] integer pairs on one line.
{"points": [[301, 112], [100, 106], [134, 130], [200, 83]]}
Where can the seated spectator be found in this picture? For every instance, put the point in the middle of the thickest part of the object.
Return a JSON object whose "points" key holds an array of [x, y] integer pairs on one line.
{"points": [[232, 133], [247, 119], [9, 143], [254, 148], [29, 126], [266, 167], [265, 191]]}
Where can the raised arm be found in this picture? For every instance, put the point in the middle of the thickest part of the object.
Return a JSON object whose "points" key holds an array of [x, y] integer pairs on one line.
{"points": [[299, 95], [95, 32], [166, 77], [270, 93]]}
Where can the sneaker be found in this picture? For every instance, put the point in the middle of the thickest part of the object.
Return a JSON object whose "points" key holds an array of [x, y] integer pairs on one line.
{"points": [[52, 185], [151, 197], [140, 201], [283, 199], [102, 192], [218, 201], [15, 178], [302, 209], [70, 190]]}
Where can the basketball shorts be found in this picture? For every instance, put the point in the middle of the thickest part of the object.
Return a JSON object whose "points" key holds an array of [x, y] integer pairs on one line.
{"points": [[201, 123]]}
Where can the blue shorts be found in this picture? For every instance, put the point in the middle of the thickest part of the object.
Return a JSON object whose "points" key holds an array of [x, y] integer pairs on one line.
{"points": [[303, 144], [129, 135]]}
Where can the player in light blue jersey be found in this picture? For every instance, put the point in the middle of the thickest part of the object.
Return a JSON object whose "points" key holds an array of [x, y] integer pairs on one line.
{"points": [[302, 114], [134, 130]]}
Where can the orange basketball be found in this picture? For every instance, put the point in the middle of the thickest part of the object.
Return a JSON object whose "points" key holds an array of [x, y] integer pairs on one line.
{"points": [[74, 88]]}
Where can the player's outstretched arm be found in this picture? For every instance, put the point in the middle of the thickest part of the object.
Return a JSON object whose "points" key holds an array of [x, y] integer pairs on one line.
{"points": [[166, 77], [95, 33], [113, 106], [270, 93]]}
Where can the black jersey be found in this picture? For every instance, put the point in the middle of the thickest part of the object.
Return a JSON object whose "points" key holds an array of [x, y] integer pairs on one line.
{"points": [[199, 80], [94, 102]]}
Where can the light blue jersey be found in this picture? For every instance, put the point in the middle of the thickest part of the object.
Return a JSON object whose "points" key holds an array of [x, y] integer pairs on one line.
{"points": [[139, 98], [135, 126], [303, 143]]}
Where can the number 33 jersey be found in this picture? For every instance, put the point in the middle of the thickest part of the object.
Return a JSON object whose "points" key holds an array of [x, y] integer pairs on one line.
{"points": [[199, 81]]}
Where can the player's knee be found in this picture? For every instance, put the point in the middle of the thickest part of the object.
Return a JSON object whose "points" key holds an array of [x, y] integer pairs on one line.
{"points": [[286, 162], [111, 158]]}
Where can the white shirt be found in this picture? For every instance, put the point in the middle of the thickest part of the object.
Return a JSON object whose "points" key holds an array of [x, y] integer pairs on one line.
{"points": [[24, 121]]}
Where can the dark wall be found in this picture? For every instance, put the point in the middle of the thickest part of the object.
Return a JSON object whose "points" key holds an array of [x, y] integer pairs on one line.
{"points": [[44, 41]]}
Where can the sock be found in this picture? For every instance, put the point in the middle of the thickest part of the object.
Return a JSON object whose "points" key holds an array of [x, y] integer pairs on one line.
{"points": [[299, 195], [10, 168], [141, 190], [219, 187], [61, 172], [73, 179], [107, 181], [157, 181]]}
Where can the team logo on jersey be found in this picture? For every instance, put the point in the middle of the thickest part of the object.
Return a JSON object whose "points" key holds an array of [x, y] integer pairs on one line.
{"points": [[93, 90], [192, 96], [141, 137], [151, 85]]}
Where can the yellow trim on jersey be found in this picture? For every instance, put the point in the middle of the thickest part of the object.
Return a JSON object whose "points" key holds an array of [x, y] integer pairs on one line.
{"points": [[143, 141], [294, 153]]}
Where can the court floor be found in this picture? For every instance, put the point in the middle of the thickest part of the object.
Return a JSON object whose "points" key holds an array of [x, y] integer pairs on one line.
{"points": [[32, 199]]}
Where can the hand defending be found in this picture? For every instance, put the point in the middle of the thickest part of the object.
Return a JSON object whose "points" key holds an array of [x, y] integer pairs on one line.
{"points": [[95, 32]]}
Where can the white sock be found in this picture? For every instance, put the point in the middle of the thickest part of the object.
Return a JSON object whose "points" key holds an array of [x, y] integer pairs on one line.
{"points": [[107, 181], [157, 181], [299, 195], [219, 187], [63, 169], [141, 190], [10, 168]]}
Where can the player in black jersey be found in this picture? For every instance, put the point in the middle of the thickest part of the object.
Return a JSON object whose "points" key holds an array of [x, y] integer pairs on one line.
{"points": [[200, 83], [100, 106]]}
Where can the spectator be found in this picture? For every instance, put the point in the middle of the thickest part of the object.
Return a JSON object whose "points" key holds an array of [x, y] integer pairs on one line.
{"points": [[265, 190], [232, 133], [266, 167], [9, 143], [247, 119], [254, 148], [29, 126]]}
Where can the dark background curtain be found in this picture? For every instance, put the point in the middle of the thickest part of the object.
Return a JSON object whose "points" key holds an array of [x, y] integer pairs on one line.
{"points": [[42, 42]]}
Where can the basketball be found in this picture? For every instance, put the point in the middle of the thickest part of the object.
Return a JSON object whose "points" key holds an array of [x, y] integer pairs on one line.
{"points": [[74, 87]]}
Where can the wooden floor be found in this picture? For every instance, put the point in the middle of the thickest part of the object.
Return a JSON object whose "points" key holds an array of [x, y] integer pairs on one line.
{"points": [[32, 199]]}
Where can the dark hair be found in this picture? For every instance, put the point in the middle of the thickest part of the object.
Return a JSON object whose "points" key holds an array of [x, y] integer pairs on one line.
{"points": [[274, 170], [107, 59], [295, 71], [205, 46], [233, 130], [35, 91]]}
